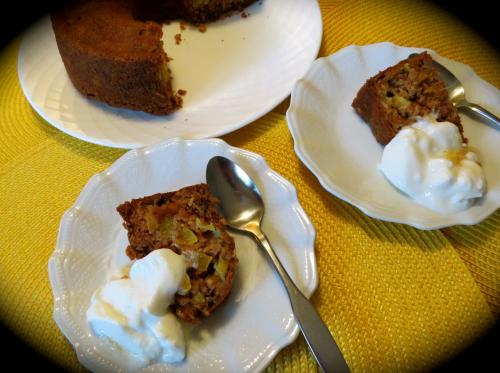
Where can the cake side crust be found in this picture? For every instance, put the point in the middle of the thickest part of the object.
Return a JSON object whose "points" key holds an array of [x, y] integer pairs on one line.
{"points": [[124, 66]]}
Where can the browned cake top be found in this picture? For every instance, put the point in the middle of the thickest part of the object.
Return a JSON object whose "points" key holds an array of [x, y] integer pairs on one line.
{"points": [[186, 221], [195, 11], [107, 28]]}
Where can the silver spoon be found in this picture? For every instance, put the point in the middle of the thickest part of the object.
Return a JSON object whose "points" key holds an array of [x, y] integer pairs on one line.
{"points": [[242, 207], [457, 93]]}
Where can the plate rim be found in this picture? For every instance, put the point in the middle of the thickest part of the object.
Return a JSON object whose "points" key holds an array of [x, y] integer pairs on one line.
{"points": [[437, 222], [105, 141], [60, 313]]}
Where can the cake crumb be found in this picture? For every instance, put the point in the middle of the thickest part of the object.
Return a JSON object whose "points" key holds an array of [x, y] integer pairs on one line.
{"points": [[181, 92], [202, 27], [182, 25], [244, 14], [178, 99], [178, 38]]}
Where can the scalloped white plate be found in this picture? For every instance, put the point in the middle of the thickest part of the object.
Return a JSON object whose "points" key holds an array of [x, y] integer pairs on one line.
{"points": [[339, 148], [255, 322], [235, 72]]}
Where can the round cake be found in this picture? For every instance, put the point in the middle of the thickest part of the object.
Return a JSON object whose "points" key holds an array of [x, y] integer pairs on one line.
{"points": [[113, 52]]}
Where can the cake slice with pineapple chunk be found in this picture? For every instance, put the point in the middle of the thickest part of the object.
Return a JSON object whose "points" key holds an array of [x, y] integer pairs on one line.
{"points": [[188, 222], [401, 94]]}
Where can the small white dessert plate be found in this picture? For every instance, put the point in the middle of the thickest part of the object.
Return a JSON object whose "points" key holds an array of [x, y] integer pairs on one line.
{"points": [[339, 148], [254, 323], [235, 72]]}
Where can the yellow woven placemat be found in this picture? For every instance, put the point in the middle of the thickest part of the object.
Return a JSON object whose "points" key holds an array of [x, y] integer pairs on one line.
{"points": [[395, 298]]}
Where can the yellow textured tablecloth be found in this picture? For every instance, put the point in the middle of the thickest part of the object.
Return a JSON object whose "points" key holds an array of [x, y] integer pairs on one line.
{"points": [[395, 298]]}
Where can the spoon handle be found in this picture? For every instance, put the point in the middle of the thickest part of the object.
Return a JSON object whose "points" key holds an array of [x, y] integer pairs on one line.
{"points": [[316, 333], [482, 112]]}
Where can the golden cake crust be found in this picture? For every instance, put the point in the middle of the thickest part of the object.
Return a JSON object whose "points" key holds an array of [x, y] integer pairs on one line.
{"points": [[400, 94]]}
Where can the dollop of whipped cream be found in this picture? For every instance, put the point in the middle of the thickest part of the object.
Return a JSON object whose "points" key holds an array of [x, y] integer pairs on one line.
{"points": [[132, 313], [429, 162]]}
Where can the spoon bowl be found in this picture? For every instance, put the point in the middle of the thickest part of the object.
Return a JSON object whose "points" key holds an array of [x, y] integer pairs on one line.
{"points": [[242, 199], [242, 206]]}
